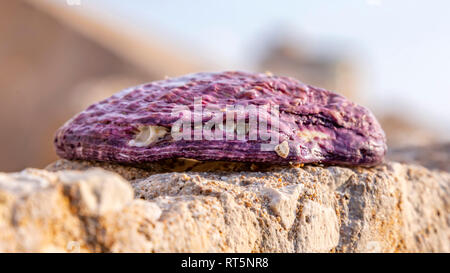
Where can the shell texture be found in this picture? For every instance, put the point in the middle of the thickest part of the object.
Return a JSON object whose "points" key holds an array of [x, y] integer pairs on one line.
{"points": [[308, 125]]}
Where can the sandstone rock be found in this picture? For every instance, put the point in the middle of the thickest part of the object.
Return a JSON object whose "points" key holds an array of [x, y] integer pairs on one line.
{"points": [[42, 211], [390, 208]]}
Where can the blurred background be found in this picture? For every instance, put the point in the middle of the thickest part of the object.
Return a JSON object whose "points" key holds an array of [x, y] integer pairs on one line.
{"points": [[59, 56]]}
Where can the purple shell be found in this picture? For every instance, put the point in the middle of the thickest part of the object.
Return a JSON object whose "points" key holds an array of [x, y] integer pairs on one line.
{"points": [[315, 125]]}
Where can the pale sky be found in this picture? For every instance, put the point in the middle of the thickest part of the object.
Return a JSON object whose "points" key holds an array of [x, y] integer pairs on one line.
{"points": [[402, 46]]}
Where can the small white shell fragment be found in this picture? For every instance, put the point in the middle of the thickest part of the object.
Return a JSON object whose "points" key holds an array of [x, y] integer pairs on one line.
{"points": [[147, 135], [282, 149]]}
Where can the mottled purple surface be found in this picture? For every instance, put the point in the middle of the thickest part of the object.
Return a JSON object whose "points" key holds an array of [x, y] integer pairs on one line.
{"points": [[319, 125]]}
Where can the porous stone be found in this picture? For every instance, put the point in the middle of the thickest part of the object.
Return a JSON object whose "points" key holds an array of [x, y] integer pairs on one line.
{"points": [[41, 211], [389, 208]]}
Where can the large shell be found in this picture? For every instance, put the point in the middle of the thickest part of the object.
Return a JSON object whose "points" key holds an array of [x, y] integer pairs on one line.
{"points": [[134, 125]]}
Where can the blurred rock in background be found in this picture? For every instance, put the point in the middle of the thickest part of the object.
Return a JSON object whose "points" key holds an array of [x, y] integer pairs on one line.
{"points": [[402, 133], [55, 62], [286, 54], [434, 156]]}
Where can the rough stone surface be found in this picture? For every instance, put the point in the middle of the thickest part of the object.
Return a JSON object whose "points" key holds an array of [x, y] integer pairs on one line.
{"points": [[390, 208], [42, 211], [133, 125]]}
